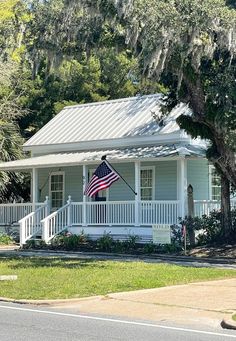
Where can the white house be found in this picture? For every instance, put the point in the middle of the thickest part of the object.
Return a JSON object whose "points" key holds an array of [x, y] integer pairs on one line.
{"points": [[154, 156]]}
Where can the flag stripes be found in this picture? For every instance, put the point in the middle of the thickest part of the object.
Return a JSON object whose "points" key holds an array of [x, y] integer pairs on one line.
{"points": [[102, 178]]}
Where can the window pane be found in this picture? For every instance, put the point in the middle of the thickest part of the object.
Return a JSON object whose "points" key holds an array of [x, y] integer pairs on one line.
{"points": [[215, 185], [57, 190], [146, 183], [146, 193]]}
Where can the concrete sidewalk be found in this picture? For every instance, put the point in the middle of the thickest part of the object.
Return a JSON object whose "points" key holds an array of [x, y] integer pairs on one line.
{"points": [[205, 304]]}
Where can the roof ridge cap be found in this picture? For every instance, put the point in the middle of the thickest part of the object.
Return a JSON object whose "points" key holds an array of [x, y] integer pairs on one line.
{"points": [[126, 99]]}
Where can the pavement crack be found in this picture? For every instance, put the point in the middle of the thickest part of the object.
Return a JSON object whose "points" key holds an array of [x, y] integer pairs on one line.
{"points": [[173, 306]]}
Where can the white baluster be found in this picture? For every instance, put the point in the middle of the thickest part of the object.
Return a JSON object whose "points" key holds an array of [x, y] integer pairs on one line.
{"points": [[69, 211]]}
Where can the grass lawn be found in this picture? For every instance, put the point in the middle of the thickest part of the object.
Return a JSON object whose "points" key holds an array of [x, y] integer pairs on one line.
{"points": [[234, 317], [54, 278]]}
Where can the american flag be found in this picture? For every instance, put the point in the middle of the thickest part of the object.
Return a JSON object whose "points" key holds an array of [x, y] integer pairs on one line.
{"points": [[102, 178]]}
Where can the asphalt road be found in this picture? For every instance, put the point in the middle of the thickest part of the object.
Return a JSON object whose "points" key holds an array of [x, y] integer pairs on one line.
{"points": [[28, 323]]}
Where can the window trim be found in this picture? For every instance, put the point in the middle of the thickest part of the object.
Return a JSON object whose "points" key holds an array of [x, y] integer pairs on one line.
{"points": [[50, 188], [211, 168], [152, 168]]}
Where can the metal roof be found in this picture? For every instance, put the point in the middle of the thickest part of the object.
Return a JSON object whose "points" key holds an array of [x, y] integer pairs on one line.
{"points": [[128, 117], [116, 155]]}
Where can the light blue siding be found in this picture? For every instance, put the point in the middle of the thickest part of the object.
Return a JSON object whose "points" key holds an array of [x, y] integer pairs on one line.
{"points": [[119, 190], [165, 181], [198, 177], [73, 182]]}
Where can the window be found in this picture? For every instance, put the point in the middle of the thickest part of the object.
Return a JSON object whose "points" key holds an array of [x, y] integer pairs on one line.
{"points": [[57, 189], [147, 183], [215, 186]]}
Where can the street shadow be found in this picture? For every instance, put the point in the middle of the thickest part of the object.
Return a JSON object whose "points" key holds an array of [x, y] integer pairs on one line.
{"points": [[52, 262]]}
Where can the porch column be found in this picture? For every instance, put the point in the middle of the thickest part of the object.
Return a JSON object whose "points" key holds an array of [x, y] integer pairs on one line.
{"points": [[182, 186], [137, 190], [34, 186], [85, 172]]}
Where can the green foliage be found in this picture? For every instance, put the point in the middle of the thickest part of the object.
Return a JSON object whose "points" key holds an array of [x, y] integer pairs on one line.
{"points": [[108, 244], [69, 241], [34, 244], [105, 243], [213, 232], [5, 239], [149, 248], [209, 228]]}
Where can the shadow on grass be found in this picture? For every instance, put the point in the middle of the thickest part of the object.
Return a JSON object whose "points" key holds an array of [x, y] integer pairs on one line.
{"points": [[55, 262]]}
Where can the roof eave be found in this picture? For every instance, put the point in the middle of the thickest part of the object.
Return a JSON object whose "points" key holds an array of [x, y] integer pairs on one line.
{"points": [[109, 143]]}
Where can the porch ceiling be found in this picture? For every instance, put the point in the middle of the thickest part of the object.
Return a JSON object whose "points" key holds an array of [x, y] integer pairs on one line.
{"points": [[124, 154]]}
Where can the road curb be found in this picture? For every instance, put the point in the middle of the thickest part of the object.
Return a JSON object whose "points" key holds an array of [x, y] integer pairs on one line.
{"points": [[227, 323], [50, 302]]}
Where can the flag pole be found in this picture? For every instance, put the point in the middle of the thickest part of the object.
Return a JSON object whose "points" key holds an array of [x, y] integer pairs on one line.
{"points": [[103, 158]]}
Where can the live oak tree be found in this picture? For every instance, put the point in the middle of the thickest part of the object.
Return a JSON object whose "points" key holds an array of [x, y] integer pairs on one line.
{"points": [[190, 45], [66, 51], [12, 185]]}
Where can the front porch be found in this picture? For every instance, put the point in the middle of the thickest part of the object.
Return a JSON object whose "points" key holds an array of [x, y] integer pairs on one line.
{"points": [[159, 175], [120, 218]]}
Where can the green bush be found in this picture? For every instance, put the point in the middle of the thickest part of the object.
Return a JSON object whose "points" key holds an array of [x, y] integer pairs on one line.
{"points": [[5, 239], [149, 248], [69, 241], [105, 243], [210, 228], [34, 244]]}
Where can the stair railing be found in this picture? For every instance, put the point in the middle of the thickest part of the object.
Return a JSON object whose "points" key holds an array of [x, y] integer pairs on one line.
{"points": [[30, 225], [56, 222]]}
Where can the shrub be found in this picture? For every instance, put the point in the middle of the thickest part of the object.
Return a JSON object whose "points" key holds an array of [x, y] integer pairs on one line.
{"points": [[34, 244], [105, 243], [212, 229], [130, 243], [176, 234], [108, 244], [149, 248], [5, 239], [69, 241]]}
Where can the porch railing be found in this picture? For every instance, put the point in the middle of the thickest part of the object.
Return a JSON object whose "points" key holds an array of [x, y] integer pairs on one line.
{"points": [[122, 213], [13, 212], [204, 207], [159, 212], [30, 225], [56, 222]]}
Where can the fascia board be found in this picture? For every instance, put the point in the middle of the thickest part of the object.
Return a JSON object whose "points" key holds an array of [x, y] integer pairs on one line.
{"points": [[108, 144], [95, 162]]}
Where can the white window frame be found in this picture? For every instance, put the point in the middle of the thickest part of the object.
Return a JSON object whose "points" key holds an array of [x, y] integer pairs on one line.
{"points": [[90, 174], [211, 169], [63, 190], [152, 168]]}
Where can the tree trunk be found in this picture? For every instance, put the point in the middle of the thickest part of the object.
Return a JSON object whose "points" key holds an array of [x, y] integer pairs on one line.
{"points": [[226, 208]]}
